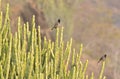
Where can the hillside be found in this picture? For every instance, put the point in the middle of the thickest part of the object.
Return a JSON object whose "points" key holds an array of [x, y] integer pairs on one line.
{"points": [[95, 26]]}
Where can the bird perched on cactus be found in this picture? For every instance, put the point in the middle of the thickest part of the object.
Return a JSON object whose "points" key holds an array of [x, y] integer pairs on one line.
{"points": [[57, 24], [102, 58]]}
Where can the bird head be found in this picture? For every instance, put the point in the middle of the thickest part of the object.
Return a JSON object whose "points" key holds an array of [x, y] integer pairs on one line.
{"points": [[105, 55], [58, 20]]}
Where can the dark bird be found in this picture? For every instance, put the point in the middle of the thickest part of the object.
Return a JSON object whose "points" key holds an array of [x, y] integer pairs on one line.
{"points": [[102, 58], [57, 24]]}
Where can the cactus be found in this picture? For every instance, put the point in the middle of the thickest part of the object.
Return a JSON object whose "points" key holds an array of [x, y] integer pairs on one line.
{"points": [[23, 57]]}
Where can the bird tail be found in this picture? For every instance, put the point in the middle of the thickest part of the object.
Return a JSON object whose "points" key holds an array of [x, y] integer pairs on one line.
{"points": [[52, 28], [98, 62]]}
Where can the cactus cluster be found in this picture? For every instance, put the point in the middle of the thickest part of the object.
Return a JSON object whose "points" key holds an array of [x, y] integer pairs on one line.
{"points": [[22, 56]]}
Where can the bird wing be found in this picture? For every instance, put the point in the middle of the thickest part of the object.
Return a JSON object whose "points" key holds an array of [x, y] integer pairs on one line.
{"points": [[100, 59], [56, 24]]}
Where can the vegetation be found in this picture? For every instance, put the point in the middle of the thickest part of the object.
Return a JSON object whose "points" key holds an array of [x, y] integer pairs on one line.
{"points": [[23, 57]]}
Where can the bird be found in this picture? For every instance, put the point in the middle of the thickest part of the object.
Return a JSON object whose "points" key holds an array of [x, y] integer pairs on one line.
{"points": [[57, 24], [102, 58]]}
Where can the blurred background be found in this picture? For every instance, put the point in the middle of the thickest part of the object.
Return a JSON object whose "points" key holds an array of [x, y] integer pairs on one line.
{"points": [[95, 23]]}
